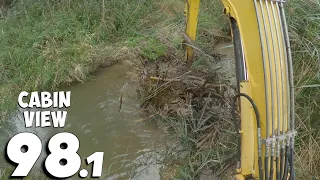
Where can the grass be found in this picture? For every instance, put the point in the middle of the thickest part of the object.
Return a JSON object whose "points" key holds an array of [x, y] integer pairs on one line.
{"points": [[9, 170], [304, 25], [216, 153], [45, 44], [303, 19]]}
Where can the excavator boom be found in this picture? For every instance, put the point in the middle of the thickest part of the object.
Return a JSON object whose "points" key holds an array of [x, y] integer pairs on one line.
{"points": [[265, 84]]}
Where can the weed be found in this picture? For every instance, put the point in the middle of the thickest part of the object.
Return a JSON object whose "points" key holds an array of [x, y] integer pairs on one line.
{"points": [[44, 44], [304, 25]]}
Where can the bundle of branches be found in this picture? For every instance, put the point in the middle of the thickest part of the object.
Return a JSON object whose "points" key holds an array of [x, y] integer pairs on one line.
{"points": [[195, 107]]}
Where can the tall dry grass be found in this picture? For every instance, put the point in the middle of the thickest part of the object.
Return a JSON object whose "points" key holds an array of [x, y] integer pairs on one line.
{"points": [[304, 26]]}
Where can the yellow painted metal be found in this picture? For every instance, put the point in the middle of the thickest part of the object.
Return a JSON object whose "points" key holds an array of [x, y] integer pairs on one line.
{"points": [[244, 13], [191, 12], [276, 74], [247, 131]]}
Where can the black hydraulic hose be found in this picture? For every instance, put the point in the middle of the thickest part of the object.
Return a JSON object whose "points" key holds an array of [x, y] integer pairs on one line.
{"points": [[281, 162], [240, 73], [260, 168], [271, 167], [266, 165], [255, 108], [292, 164], [286, 165], [277, 168]]}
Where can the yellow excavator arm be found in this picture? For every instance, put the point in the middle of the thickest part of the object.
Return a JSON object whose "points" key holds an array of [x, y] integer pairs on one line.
{"points": [[265, 82]]}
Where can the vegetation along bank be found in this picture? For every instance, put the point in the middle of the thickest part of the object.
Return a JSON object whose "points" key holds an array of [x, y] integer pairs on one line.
{"points": [[46, 44]]}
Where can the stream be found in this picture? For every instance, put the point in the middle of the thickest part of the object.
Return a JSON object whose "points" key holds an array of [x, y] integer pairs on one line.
{"points": [[133, 147], [129, 143]]}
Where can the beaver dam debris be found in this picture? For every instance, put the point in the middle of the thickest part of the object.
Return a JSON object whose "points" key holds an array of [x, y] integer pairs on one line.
{"points": [[195, 103]]}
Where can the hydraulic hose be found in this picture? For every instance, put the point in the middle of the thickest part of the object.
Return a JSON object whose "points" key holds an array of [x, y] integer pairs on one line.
{"points": [[266, 165], [291, 84], [262, 27], [286, 165], [278, 168], [292, 173], [271, 167], [260, 168], [255, 108], [281, 163]]}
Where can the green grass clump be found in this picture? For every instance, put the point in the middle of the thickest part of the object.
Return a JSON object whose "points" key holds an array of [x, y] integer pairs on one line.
{"points": [[44, 44], [153, 49], [150, 48], [213, 24]]}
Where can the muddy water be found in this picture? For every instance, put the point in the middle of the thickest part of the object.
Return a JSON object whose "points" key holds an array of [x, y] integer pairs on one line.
{"points": [[128, 142]]}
